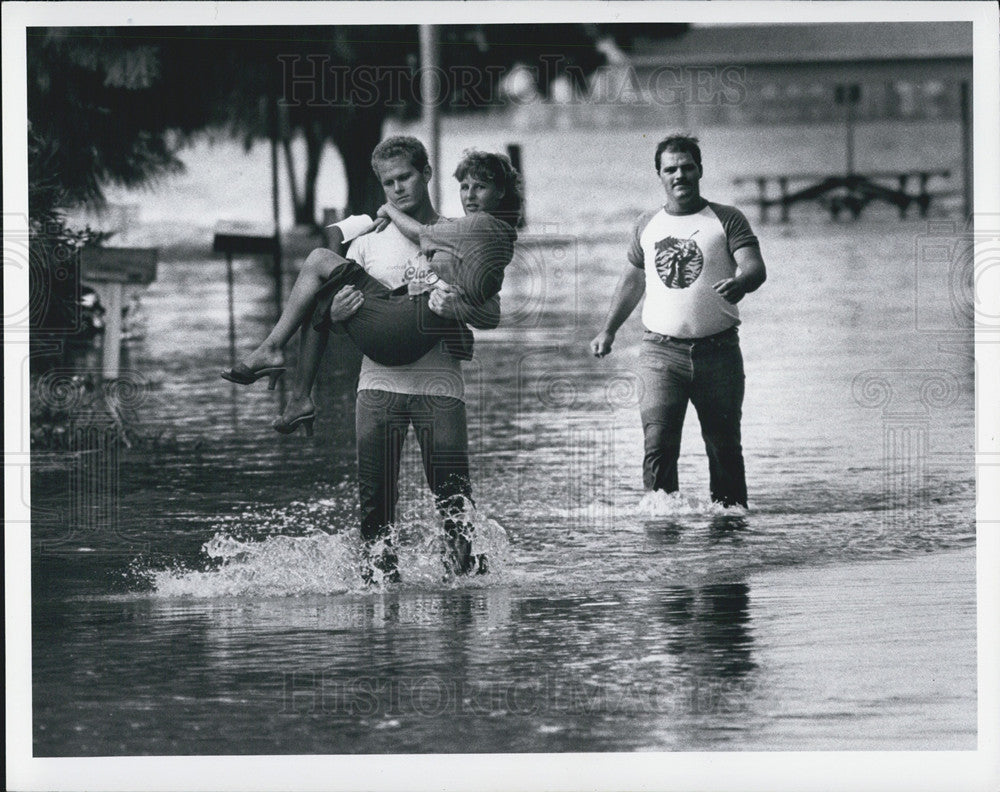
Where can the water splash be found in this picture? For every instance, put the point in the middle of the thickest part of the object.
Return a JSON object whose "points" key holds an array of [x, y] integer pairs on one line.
{"points": [[658, 503], [326, 563], [652, 504], [277, 566]]}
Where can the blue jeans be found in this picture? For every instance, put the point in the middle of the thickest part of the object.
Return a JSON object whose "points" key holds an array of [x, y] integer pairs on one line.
{"points": [[708, 372], [382, 419]]}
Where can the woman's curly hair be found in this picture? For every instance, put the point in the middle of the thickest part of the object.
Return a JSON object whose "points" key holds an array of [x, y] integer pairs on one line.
{"points": [[497, 169]]}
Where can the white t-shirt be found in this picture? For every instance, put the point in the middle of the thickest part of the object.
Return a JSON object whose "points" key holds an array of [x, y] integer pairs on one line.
{"points": [[683, 256], [392, 259]]}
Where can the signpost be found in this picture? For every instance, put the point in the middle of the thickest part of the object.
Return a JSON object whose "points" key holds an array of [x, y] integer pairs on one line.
{"points": [[250, 239]]}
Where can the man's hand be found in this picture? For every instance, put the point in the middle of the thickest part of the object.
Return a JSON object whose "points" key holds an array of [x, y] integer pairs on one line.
{"points": [[345, 304], [631, 286], [731, 289], [750, 274], [601, 345], [446, 301]]}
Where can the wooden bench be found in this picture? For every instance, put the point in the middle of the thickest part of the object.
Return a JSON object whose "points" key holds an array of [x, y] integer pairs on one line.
{"points": [[840, 192], [109, 271]]}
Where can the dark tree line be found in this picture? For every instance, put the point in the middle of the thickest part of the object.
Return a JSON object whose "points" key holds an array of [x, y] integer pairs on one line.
{"points": [[117, 105]]}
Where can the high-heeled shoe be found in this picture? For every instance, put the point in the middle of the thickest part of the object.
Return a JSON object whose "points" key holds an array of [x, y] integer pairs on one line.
{"points": [[244, 375], [282, 426]]}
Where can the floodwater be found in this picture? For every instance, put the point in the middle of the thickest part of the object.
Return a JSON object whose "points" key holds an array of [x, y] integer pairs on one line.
{"points": [[199, 593]]}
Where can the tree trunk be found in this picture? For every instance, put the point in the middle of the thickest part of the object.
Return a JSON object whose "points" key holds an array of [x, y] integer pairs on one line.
{"points": [[304, 201], [355, 135], [314, 157], [293, 186]]}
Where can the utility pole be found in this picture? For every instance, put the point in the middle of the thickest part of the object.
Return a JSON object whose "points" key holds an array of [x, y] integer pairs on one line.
{"points": [[431, 94]]}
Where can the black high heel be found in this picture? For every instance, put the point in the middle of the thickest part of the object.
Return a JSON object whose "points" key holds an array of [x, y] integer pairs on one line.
{"points": [[244, 375], [288, 427]]}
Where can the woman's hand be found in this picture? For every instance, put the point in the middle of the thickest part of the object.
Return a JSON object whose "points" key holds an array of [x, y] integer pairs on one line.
{"points": [[382, 220], [345, 304], [447, 301]]}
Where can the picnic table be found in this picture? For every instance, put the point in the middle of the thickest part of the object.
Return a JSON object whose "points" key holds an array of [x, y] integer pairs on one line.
{"points": [[850, 192]]}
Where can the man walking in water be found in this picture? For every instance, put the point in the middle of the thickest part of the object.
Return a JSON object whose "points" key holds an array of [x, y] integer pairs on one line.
{"points": [[694, 260], [428, 394]]}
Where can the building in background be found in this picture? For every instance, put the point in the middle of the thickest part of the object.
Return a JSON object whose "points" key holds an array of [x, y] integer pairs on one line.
{"points": [[720, 75]]}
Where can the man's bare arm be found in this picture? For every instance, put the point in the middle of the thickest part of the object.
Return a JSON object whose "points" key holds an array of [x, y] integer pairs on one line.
{"points": [[628, 293], [750, 276]]}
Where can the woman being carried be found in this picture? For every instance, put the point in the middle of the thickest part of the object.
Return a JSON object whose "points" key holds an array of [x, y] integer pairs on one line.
{"points": [[396, 326]]}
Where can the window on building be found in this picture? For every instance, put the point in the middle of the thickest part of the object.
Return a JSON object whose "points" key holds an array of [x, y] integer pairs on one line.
{"points": [[935, 99], [906, 98]]}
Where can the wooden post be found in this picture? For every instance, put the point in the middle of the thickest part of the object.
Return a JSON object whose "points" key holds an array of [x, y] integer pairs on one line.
{"points": [[109, 270], [112, 330], [514, 153], [232, 312], [254, 239], [848, 95], [966, 113], [850, 138], [783, 186], [762, 198], [429, 98], [904, 178], [273, 112]]}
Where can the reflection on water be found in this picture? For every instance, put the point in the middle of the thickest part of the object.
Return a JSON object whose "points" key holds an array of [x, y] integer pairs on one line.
{"points": [[716, 636], [224, 612], [699, 666], [464, 670]]}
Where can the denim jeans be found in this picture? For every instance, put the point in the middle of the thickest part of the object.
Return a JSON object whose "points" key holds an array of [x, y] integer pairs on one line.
{"points": [[708, 372], [382, 419]]}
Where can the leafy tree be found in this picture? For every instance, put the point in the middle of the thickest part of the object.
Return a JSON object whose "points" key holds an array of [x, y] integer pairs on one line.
{"points": [[371, 74], [114, 105], [93, 118]]}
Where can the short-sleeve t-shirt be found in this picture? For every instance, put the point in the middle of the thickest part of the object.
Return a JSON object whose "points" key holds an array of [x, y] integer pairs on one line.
{"points": [[683, 256], [470, 252], [392, 259]]}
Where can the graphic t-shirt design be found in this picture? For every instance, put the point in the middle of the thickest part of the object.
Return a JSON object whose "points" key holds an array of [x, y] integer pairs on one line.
{"points": [[683, 256], [678, 262]]}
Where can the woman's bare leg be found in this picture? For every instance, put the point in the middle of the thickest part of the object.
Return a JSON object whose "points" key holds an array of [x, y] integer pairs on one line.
{"points": [[311, 348], [315, 270]]}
